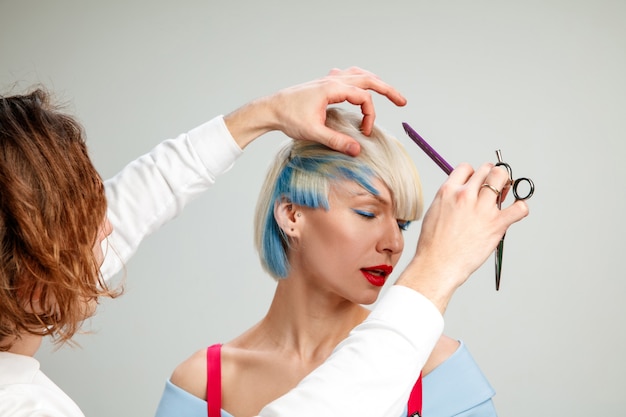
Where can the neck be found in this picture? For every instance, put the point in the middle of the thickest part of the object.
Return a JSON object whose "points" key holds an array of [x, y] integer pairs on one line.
{"points": [[308, 322], [27, 344]]}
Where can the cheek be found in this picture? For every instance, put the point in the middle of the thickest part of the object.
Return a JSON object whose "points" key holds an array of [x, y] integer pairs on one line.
{"points": [[345, 236], [99, 248], [333, 240], [98, 252], [90, 308]]}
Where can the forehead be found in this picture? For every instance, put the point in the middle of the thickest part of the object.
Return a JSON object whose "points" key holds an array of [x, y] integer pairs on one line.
{"points": [[347, 190]]}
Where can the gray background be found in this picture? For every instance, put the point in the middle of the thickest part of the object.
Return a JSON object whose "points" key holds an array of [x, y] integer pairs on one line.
{"points": [[541, 80]]}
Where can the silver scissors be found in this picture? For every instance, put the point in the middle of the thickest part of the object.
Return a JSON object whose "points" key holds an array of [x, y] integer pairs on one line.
{"points": [[513, 185]]}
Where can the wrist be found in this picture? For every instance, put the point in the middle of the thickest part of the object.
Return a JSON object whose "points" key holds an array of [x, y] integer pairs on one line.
{"points": [[250, 121], [431, 280]]}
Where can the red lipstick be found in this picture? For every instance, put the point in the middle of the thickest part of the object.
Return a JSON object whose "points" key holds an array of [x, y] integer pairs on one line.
{"points": [[377, 275]]}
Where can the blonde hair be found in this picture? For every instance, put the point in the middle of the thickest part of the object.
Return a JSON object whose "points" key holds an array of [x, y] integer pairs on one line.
{"points": [[303, 171]]}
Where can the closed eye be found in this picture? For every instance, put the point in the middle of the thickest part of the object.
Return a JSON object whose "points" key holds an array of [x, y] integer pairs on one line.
{"points": [[366, 214], [404, 225]]}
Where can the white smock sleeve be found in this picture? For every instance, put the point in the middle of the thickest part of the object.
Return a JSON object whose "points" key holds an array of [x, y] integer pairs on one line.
{"points": [[370, 373], [155, 187]]}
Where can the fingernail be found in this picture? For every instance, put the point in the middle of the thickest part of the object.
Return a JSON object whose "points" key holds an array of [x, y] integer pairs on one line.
{"points": [[353, 149]]}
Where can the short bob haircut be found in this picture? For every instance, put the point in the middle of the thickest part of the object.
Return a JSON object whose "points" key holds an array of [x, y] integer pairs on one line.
{"points": [[303, 172], [51, 208]]}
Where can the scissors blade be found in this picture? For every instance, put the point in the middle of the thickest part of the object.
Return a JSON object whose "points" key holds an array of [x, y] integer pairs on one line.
{"points": [[498, 257]]}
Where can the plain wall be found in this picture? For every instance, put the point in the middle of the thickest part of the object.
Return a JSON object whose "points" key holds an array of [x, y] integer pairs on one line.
{"points": [[541, 80]]}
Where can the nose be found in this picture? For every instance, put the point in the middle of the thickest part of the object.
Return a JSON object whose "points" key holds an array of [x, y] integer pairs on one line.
{"points": [[391, 239]]}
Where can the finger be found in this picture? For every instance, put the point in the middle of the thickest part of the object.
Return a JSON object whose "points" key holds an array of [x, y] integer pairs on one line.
{"points": [[480, 176], [367, 81], [351, 71], [462, 173], [369, 116], [493, 184], [381, 87], [515, 212], [507, 186], [505, 191], [361, 98], [336, 140]]}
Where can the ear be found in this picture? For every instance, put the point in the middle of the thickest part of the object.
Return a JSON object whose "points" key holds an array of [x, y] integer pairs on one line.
{"points": [[288, 216]]}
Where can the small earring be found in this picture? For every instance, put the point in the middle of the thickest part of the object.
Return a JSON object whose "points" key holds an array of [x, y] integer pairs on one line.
{"points": [[298, 214]]}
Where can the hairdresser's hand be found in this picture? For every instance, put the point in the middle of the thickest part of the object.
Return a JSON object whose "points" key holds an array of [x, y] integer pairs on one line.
{"points": [[300, 111], [460, 231]]}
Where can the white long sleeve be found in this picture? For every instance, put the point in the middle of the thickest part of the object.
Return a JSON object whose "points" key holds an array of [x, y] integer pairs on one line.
{"points": [[154, 189], [369, 374]]}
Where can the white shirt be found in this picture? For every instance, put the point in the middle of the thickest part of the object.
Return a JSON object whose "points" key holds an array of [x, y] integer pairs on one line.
{"points": [[369, 374], [26, 392]]}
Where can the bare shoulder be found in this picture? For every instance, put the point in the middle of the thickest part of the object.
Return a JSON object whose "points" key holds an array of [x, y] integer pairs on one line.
{"points": [[444, 348], [190, 375]]}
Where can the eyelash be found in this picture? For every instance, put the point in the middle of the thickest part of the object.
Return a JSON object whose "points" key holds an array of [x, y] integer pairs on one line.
{"points": [[366, 214], [403, 225]]}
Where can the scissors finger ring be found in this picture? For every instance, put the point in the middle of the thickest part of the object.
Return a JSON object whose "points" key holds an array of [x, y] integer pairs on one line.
{"points": [[529, 193]]}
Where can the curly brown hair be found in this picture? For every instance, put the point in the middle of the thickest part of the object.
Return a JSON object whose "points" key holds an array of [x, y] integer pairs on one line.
{"points": [[52, 204]]}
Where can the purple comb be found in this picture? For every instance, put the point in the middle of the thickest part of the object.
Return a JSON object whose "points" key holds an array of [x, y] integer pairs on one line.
{"points": [[446, 167]]}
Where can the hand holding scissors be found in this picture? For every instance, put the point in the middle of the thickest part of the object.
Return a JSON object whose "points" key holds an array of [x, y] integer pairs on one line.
{"points": [[512, 184]]}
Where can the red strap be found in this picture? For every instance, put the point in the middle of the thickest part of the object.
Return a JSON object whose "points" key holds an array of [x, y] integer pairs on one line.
{"points": [[415, 400], [214, 386], [214, 381]]}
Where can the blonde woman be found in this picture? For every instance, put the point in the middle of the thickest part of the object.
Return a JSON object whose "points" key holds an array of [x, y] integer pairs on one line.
{"points": [[328, 228]]}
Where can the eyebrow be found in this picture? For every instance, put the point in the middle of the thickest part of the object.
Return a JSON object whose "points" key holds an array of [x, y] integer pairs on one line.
{"points": [[356, 190], [367, 194]]}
